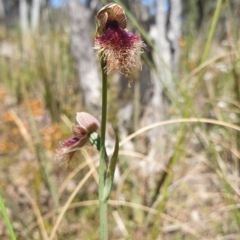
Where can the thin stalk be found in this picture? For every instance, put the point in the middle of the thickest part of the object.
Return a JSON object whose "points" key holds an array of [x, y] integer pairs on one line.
{"points": [[136, 105], [212, 31], [7, 220], [103, 207]]}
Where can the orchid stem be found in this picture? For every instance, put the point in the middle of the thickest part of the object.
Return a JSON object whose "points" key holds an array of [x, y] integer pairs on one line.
{"points": [[103, 204]]}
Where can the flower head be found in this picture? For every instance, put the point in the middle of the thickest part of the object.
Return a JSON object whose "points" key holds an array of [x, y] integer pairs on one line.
{"points": [[87, 124], [119, 48]]}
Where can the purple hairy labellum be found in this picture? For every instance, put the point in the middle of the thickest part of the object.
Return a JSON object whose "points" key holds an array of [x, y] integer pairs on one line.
{"points": [[118, 47], [87, 124]]}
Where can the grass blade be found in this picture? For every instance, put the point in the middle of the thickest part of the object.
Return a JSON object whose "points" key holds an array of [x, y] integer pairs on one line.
{"points": [[7, 220]]}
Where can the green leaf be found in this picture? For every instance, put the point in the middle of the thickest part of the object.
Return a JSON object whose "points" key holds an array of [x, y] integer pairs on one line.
{"points": [[111, 171], [7, 220]]}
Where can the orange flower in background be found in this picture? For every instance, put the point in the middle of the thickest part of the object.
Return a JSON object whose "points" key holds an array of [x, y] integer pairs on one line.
{"points": [[37, 107], [118, 47], [87, 124], [8, 117]]}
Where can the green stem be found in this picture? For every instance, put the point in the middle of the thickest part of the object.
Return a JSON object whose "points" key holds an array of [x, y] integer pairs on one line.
{"points": [[103, 205], [212, 31], [7, 220]]}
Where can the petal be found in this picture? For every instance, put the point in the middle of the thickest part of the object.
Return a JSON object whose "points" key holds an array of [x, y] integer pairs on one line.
{"points": [[109, 13], [70, 143], [87, 122], [121, 49], [78, 131], [69, 147], [116, 13], [101, 21]]}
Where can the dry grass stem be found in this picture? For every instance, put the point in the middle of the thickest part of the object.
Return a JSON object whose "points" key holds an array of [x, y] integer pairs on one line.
{"points": [[70, 176], [143, 157], [90, 164], [181, 120], [23, 130], [38, 215], [120, 224], [66, 206], [207, 63]]}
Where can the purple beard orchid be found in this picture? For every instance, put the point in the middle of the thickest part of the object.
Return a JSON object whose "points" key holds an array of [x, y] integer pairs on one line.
{"points": [[87, 124], [118, 47]]}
